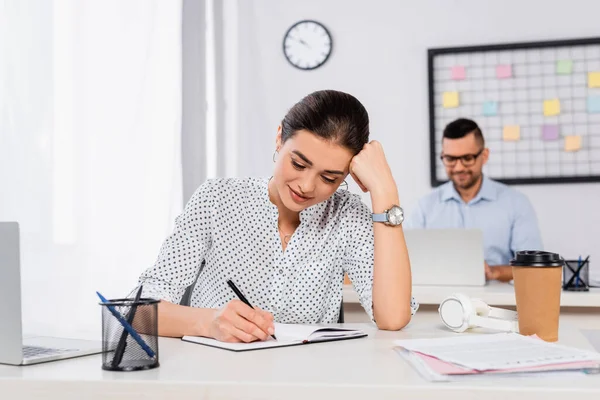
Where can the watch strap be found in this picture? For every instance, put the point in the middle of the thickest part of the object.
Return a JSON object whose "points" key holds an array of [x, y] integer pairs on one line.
{"points": [[382, 217]]}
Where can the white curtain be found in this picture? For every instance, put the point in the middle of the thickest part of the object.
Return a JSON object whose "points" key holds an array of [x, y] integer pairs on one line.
{"points": [[90, 148]]}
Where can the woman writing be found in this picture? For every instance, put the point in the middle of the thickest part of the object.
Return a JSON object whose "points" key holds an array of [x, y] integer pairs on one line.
{"points": [[288, 240]]}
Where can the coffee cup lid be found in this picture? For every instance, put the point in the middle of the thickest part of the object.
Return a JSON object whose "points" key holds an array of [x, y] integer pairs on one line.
{"points": [[529, 258]]}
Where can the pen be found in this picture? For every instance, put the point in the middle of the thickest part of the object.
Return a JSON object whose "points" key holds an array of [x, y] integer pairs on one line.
{"points": [[118, 357], [242, 297], [127, 327]]}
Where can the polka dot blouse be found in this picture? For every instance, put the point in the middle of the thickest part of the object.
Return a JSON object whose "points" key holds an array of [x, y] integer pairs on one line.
{"points": [[232, 225]]}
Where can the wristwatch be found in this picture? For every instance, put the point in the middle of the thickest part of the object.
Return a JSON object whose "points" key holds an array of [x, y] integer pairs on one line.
{"points": [[392, 217]]}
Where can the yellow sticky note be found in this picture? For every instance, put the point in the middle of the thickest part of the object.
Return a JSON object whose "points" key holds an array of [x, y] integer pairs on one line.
{"points": [[551, 107], [512, 133], [450, 99], [594, 79], [572, 143]]}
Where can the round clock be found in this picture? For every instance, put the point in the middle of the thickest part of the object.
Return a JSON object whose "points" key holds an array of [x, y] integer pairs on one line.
{"points": [[307, 44]]}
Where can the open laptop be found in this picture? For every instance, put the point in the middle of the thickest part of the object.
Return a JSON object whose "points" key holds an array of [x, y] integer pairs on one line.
{"points": [[446, 256], [13, 349]]}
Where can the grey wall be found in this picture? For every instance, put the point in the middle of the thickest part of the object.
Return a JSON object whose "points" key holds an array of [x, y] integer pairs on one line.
{"points": [[194, 100], [380, 56]]}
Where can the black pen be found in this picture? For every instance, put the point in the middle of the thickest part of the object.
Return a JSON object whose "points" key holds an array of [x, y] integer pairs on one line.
{"points": [[242, 297]]}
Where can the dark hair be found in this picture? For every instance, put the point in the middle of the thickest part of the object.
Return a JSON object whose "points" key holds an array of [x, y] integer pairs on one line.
{"points": [[461, 128], [331, 115]]}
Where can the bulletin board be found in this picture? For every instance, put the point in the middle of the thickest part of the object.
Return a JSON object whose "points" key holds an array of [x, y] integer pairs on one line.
{"points": [[537, 104]]}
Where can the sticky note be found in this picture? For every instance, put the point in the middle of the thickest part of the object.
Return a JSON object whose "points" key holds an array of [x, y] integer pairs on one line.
{"points": [[450, 100], [503, 71], [572, 143], [593, 104], [458, 73], [511, 133], [551, 107], [564, 67], [594, 79], [490, 108], [550, 132]]}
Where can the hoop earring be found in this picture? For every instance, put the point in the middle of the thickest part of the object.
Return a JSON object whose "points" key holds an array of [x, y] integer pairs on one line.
{"points": [[344, 184]]}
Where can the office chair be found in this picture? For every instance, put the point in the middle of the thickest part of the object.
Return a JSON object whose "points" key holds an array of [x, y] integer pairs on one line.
{"points": [[185, 299], [187, 295]]}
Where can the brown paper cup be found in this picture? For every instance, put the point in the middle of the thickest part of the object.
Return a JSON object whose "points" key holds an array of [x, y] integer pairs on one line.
{"points": [[537, 292]]}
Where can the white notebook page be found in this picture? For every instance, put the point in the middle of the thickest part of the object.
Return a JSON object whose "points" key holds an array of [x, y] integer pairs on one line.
{"points": [[286, 334]]}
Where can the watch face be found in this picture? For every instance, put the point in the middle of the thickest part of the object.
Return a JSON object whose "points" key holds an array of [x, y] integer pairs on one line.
{"points": [[307, 45], [395, 215]]}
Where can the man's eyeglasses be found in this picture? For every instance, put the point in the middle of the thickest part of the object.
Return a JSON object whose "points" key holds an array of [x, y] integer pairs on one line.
{"points": [[467, 160]]}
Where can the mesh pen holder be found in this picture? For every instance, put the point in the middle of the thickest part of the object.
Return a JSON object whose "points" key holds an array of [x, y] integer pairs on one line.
{"points": [[576, 275], [130, 334]]}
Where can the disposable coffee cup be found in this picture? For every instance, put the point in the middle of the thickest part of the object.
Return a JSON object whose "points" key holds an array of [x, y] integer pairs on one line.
{"points": [[537, 279]]}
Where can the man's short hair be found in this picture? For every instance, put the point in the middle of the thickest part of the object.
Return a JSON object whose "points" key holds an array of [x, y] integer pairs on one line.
{"points": [[461, 128]]}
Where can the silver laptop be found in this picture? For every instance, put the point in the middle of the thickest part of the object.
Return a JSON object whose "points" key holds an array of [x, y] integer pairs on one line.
{"points": [[446, 256], [13, 349]]}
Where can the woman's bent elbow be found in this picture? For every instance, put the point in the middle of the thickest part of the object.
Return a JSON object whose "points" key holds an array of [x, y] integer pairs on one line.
{"points": [[393, 323]]}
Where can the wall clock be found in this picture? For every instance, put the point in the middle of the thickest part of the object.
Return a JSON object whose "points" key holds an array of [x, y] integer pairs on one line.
{"points": [[307, 44]]}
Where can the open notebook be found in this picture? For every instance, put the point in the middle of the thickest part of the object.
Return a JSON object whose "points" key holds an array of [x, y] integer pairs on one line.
{"points": [[287, 335]]}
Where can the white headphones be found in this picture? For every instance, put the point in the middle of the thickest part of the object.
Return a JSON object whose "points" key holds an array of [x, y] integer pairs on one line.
{"points": [[459, 313]]}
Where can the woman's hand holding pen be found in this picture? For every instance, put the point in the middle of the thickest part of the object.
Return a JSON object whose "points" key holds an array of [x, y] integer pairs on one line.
{"points": [[371, 171], [237, 322]]}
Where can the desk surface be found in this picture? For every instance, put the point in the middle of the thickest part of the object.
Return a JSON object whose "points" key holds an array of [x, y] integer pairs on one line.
{"points": [[494, 293], [353, 369]]}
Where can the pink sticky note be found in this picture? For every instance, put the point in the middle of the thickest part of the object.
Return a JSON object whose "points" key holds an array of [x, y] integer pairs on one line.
{"points": [[503, 71], [458, 72], [550, 132]]}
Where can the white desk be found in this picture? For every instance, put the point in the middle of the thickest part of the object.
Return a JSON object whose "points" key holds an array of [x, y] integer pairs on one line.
{"points": [[494, 293], [354, 369]]}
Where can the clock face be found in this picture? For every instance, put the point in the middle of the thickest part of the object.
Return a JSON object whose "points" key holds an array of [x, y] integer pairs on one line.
{"points": [[307, 45]]}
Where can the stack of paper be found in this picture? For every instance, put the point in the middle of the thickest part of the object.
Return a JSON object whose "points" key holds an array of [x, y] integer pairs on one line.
{"points": [[502, 353]]}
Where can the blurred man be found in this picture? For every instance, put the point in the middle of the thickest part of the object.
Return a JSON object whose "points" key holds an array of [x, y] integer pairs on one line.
{"points": [[470, 200]]}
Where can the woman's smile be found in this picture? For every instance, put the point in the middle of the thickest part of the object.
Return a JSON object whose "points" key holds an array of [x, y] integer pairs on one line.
{"points": [[297, 197]]}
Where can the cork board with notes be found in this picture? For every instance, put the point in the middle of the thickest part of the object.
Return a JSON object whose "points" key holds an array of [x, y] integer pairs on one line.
{"points": [[537, 103]]}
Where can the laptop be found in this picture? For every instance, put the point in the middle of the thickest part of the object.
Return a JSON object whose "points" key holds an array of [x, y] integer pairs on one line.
{"points": [[14, 350], [450, 257]]}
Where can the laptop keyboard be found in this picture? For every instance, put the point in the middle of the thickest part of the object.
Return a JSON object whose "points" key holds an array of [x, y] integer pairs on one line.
{"points": [[36, 352]]}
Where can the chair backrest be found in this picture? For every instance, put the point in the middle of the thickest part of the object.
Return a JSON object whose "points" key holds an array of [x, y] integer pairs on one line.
{"points": [[185, 299], [341, 316], [187, 295]]}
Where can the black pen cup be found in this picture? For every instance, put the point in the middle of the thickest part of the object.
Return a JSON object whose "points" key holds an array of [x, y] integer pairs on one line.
{"points": [[576, 275], [130, 334]]}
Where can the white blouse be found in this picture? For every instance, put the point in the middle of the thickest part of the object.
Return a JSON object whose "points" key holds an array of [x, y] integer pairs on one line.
{"points": [[232, 225]]}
